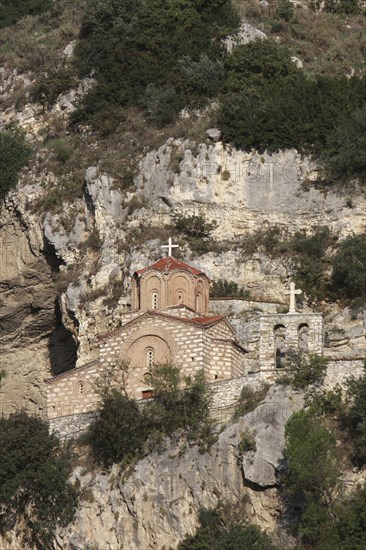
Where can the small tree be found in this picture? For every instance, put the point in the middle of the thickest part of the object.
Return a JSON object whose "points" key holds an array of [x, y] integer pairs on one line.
{"points": [[34, 472], [119, 432], [357, 416], [304, 369], [313, 469], [14, 153], [349, 268], [180, 403]]}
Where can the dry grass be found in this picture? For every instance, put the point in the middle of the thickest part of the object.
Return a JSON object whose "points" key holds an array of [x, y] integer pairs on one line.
{"points": [[35, 42], [328, 44]]}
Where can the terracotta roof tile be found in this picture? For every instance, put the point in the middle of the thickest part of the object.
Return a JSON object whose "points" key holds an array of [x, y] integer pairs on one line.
{"points": [[169, 264]]}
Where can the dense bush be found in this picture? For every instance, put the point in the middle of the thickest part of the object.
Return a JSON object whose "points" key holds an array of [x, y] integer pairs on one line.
{"points": [[223, 288], [119, 433], [357, 417], [13, 10], [345, 154], [214, 535], [34, 472], [51, 84], [124, 430], [162, 44], [196, 229], [267, 103], [313, 470], [310, 261], [303, 369], [348, 278], [14, 153]]}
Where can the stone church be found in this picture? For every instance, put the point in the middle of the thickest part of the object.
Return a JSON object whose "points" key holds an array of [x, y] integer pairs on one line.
{"points": [[169, 323]]}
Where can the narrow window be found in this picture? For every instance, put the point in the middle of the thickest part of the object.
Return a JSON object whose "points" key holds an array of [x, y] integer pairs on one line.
{"points": [[149, 358], [154, 300], [303, 334], [80, 388], [280, 346]]}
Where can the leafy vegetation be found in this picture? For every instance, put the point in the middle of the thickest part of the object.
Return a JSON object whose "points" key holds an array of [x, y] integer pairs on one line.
{"points": [[311, 261], [269, 104], [215, 534], [34, 472], [13, 10], [14, 153], [154, 54], [348, 278], [124, 430], [304, 369], [227, 289], [196, 229], [356, 417], [313, 470]]}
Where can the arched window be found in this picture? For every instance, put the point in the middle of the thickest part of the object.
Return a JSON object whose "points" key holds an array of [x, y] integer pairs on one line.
{"points": [[303, 335], [149, 358], [80, 388], [154, 300], [280, 346]]}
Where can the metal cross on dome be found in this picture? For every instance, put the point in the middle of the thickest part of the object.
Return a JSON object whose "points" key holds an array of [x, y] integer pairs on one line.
{"points": [[170, 246], [292, 292]]}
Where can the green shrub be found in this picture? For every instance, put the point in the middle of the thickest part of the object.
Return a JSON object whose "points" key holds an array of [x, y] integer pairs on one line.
{"points": [[311, 262], [247, 442], [303, 369], [269, 104], [131, 46], [34, 472], [223, 289], [14, 153], [124, 430], [120, 431], [180, 403], [348, 278], [13, 10], [313, 469], [196, 229], [214, 535], [345, 154], [357, 416], [51, 84]]}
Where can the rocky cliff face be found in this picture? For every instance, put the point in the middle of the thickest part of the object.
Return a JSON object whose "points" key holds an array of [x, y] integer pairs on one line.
{"points": [[156, 504], [44, 327]]}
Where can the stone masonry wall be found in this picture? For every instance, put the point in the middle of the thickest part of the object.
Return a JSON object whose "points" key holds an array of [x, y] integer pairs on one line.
{"points": [[192, 349], [73, 392]]}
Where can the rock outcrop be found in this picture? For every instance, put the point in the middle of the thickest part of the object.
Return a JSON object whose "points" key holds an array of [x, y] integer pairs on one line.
{"points": [[156, 504]]}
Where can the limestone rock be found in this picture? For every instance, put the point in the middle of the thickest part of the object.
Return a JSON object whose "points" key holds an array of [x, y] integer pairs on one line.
{"points": [[267, 424], [157, 505], [247, 33]]}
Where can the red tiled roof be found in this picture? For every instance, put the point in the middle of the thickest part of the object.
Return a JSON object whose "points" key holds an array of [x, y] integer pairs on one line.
{"points": [[207, 320], [169, 264]]}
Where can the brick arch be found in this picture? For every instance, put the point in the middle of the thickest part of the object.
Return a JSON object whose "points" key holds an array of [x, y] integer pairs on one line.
{"points": [[152, 282], [181, 282], [145, 333]]}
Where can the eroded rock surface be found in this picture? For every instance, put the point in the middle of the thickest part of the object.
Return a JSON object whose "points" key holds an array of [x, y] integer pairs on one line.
{"points": [[158, 503]]}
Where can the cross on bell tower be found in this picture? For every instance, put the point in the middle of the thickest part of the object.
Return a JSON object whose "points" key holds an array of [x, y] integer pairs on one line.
{"points": [[170, 246], [292, 292]]}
